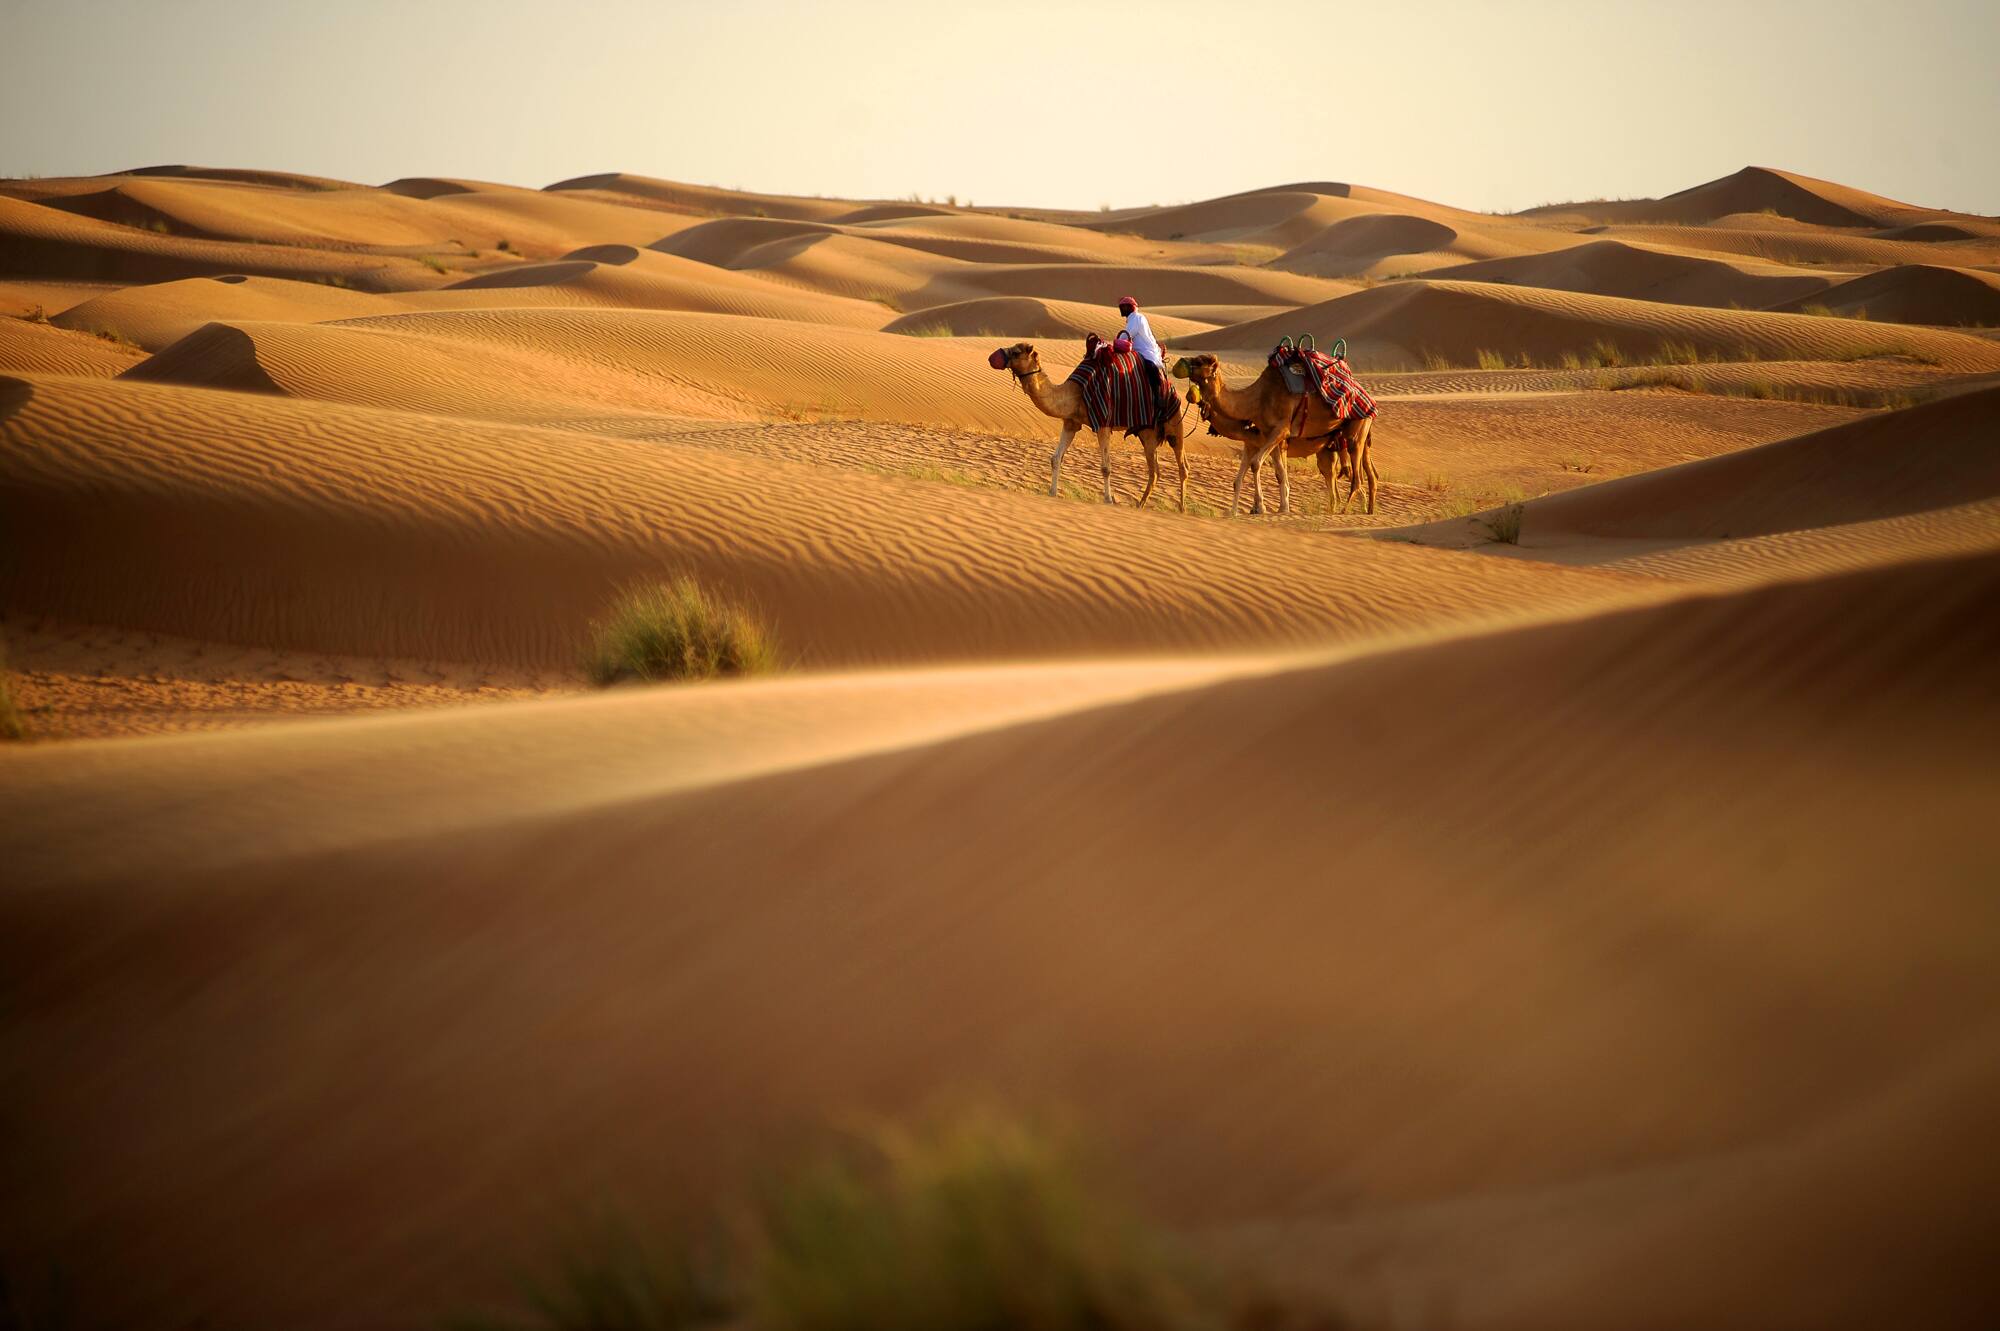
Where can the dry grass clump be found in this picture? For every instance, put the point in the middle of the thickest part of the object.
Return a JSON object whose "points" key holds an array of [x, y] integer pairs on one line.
{"points": [[658, 631], [978, 1223], [1606, 353], [432, 262], [1657, 377], [11, 725], [1491, 360], [1504, 526]]}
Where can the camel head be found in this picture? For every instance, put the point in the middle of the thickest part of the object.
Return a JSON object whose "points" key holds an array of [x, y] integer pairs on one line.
{"points": [[1202, 371], [1020, 358]]}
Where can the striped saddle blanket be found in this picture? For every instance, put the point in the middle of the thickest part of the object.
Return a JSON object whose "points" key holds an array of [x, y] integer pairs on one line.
{"points": [[1116, 395], [1335, 382]]}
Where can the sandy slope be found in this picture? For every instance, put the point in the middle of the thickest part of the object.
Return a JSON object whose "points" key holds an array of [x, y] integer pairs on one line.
{"points": [[1404, 320], [158, 315], [393, 535], [1919, 294], [1029, 317], [1756, 190], [1928, 457], [544, 986], [40, 348], [582, 364], [1613, 268]]}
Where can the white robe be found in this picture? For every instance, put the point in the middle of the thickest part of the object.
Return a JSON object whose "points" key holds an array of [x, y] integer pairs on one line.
{"points": [[1143, 342]]}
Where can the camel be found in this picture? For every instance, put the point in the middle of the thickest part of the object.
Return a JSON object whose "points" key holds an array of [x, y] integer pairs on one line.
{"points": [[1268, 414], [1064, 401], [1323, 450]]}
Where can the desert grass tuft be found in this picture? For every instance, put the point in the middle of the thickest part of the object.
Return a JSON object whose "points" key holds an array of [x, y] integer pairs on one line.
{"points": [[612, 1275], [1435, 360], [1659, 376], [975, 1222], [432, 262], [35, 314], [1490, 360], [678, 629], [1504, 527], [1606, 353], [12, 727], [978, 1222]]}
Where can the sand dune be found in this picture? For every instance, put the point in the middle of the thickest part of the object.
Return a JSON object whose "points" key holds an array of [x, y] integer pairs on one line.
{"points": [[1917, 294], [1756, 190], [623, 277], [1392, 244], [1659, 1035], [1026, 317], [42, 242], [699, 200], [1800, 245], [157, 316], [1405, 320], [1614, 268], [594, 368], [388, 535], [1936, 457], [39, 348], [1942, 455], [286, 180]]}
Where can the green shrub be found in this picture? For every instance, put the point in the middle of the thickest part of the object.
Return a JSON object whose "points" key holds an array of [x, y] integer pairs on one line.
{"points": [[980, 1223], [973, 1223], [676, 630]]}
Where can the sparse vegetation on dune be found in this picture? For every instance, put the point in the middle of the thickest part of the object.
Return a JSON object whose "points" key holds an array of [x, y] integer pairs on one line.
{"points": [[12, 727], [678, 629], [1504, 527], [976, 1223]]}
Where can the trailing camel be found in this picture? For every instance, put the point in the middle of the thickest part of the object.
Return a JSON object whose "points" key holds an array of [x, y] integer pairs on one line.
{"points": [[1064, 401], [1270, 420], [1324, 450]]}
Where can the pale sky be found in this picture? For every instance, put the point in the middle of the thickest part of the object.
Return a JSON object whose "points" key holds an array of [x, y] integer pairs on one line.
{"points": [[1485, 105]]}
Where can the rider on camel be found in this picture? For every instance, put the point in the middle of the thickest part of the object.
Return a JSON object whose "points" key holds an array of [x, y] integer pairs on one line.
{"points": [[1151, 358]]}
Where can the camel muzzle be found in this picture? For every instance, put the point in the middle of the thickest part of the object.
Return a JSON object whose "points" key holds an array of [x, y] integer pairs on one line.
{"points": [[998, 360]]}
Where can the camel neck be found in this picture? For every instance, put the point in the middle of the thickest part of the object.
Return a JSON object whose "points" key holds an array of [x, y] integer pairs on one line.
{"points": [[1041, 392]]}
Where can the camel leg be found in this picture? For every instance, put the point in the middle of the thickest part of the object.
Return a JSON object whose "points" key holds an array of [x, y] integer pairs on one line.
{"points": [[1236, 495], [1256, 464], [1284, 479], [1104, 462], [1151, 443], [1276, 452], [1180, 463], [1373, 476], [1055, 467], [1325, 458], [1361, 464]]}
